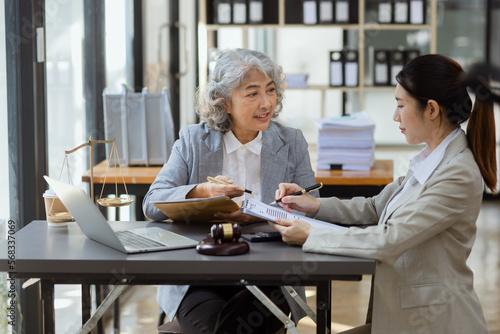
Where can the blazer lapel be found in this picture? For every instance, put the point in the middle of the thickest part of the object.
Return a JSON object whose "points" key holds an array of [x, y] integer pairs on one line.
{"points": [[212, 151], [457, 145], [387, 213], [273, 166]]}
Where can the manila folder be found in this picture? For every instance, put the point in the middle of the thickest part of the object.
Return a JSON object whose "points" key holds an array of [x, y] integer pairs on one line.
{"points": [[197, 209]]}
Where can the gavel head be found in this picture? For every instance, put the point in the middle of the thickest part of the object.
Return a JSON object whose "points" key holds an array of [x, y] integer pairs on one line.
{"points": [[225, 232]]}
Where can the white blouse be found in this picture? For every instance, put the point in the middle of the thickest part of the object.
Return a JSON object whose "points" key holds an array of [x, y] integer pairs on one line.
{"points": [[242, 163]]}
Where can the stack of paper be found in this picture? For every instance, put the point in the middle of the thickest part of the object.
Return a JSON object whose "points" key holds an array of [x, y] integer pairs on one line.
{"points": [[346, 142]]}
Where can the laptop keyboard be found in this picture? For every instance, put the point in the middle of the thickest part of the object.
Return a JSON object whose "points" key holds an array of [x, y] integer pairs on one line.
{"points": [[136, 241]]}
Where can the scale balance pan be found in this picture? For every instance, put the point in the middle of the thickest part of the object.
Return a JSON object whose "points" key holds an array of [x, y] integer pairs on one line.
{"points": [[61, 217], [115, 202]]}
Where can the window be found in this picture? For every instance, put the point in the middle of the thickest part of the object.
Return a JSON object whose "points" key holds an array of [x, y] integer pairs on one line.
{"points": [[4, 161], [66, 124]]}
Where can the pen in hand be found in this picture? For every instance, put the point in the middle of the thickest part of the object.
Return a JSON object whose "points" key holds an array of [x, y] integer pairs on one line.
{"points": [[213, 179], [317, 186]]}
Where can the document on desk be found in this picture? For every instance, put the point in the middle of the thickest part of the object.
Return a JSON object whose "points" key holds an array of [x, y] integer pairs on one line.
{"points": [[270, 213], [197, 209]]}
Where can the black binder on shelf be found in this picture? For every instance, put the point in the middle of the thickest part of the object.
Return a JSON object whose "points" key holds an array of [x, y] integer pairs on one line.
{"points": [[343, 11], [417, 11], [222, 12], [385, 10], [239, 11], [410, 54], [401, 11], [381, 70], [336, 68], [351, 68], [396, 62], [309, 12], [255, 11], [326, 11]]}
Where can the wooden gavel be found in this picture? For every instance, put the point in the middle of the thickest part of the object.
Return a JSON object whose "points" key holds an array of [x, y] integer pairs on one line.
{"points": [[225, 232]]}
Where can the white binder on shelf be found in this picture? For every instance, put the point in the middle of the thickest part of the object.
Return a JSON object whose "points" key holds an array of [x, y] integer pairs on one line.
{"points": [[397, 63], [417, 11], [342, 11], [385, 11], [255, 11], [336, 69], [351, 68], [239, 12], [222, 11], [401, 10], [381, 68], [309, 12], [326, 11]]}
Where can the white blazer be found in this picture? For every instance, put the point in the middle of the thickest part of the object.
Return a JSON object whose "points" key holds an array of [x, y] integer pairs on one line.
{"points": [[422, 283]]}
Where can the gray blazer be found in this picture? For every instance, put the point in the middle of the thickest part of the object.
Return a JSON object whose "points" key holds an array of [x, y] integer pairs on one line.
{"points": [[422, 282], [198, 153]]}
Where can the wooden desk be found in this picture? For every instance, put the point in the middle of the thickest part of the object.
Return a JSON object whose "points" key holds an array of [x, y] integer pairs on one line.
{"points": [[132, 175], [348, 183]]}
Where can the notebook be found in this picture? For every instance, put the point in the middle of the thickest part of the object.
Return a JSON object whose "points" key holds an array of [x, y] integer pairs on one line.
{"points": [[95, 226]]}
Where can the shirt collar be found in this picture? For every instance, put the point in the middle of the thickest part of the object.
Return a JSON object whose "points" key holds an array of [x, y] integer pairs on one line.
{"points": [[232, 143], [425, 162]]}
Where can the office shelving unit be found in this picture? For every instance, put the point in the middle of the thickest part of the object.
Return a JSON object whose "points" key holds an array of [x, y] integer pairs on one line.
{"points": [[288, 14]]}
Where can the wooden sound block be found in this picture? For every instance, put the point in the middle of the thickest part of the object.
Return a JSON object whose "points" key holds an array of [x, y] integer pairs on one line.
{"points": [[209, 246]]}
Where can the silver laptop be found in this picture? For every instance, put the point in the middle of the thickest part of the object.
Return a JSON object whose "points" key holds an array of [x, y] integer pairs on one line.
{"points": [[95, 226]]}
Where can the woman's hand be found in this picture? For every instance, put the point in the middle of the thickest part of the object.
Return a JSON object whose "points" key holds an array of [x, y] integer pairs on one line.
{"points": [[304, 203], [211, 189], [293, 231]]}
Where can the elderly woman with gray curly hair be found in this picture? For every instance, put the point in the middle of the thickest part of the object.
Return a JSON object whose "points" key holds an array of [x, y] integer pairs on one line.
{"points": [[239, 142]]}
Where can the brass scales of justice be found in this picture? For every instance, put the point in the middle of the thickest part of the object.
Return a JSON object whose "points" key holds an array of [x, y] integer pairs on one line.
{"points": [[114, 158]]}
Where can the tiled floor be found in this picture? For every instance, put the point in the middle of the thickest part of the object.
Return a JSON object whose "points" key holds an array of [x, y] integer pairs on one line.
{"points": [[139, 311]]}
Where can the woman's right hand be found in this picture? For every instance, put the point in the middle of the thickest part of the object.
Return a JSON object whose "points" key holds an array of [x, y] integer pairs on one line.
{"points": [[211, 189], [304, 203]]}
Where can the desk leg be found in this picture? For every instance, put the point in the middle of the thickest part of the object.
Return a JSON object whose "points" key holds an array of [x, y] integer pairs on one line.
{"points": [[116, 315], [47, 289], [323, 307], [86, 303]]}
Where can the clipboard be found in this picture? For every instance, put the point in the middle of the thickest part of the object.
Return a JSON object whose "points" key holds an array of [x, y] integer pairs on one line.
{"points": [[270, 213], [196, 210]]}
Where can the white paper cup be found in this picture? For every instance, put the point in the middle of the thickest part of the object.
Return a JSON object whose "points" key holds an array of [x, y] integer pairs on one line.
{"points": [[56, 213]]}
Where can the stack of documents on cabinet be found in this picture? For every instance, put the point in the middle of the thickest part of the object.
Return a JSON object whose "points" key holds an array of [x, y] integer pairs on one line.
{"points": [[346, 143]]}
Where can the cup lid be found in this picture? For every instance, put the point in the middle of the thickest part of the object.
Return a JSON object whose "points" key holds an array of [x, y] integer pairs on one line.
{"points": [[49, 193]]}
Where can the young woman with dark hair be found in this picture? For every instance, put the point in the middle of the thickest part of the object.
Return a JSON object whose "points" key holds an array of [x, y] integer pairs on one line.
{"points": [[421, 227]]}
